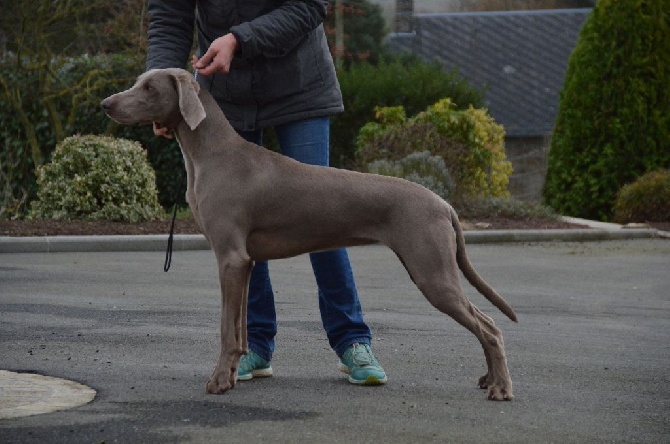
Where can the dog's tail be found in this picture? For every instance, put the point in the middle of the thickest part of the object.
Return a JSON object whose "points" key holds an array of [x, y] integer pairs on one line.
{"points": [[471, 274]]}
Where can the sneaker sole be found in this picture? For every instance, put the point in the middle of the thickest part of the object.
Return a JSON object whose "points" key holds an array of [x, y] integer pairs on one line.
{"points": [[370, 380], [262, 373]]}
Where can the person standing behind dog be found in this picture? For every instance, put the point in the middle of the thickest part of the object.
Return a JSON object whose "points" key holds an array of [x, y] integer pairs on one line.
{"points": [[267, 64]]}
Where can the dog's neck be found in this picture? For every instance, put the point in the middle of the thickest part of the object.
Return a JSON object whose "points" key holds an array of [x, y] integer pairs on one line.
{"points": [[211, 136]]}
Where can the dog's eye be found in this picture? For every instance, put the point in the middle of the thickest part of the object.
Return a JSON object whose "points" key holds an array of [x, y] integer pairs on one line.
{"points": [[148, 87]]}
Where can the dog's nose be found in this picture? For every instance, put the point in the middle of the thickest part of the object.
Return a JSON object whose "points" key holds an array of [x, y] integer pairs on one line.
{"points": [[106, 104]]}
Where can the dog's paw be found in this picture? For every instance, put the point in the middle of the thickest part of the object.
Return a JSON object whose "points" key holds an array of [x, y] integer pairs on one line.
{"points": [[498, 392], [218, 385]]}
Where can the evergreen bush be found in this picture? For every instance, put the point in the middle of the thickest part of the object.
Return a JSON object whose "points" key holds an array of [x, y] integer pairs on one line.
{"points": [[470, 143], [613, 123], [96, 178], [645, 200]]}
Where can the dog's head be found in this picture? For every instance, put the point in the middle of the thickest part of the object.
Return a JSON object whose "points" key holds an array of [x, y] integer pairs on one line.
{"points": [[165, 96]]}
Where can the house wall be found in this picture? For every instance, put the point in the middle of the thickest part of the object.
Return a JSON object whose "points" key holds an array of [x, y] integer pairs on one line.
{"points": [[529, 160]]}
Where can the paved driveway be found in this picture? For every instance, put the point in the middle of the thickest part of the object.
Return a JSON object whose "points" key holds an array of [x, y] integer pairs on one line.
{"points": [[589, 358]]}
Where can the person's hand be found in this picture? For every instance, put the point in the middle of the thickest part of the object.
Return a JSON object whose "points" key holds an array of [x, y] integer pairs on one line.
{"points": [[218, 57], [162, 131]]}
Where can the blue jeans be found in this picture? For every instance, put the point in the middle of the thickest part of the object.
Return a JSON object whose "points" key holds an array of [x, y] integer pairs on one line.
{"points": [[307, 141]]}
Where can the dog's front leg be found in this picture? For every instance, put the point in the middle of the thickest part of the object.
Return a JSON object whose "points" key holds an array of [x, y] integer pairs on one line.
{"points": [[234, 276]]}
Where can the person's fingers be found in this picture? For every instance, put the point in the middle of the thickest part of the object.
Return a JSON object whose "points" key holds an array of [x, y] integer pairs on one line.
{"points": [[162, 131], [206, 59], [218, 57], [214, 67]]}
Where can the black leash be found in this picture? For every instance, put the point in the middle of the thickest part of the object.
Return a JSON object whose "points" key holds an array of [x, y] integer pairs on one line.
{"points": [[168, 253]]}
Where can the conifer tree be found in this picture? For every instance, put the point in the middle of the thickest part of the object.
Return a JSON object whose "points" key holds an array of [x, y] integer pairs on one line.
{"points": [[613, 123]]}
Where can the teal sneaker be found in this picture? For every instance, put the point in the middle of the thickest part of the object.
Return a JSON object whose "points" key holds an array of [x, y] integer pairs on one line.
{"points": [[253, 366], [361, 365]]}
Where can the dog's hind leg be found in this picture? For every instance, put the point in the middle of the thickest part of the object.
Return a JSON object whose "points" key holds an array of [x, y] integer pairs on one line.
{"points": [[234, 273], [451, 300], [432, 266]]}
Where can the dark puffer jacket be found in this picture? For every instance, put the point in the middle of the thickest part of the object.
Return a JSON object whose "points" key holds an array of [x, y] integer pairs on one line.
{"points": [[282, 71]]}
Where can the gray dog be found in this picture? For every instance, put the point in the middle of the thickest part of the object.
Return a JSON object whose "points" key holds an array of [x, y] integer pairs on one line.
{"points": [[253, 204]]}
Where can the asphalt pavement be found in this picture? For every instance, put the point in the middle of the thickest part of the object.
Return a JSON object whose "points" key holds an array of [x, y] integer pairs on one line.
{"points": [[588, 358]]}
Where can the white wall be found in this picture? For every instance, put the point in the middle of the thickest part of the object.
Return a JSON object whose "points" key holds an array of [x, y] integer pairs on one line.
{"points": [[420, 7]]}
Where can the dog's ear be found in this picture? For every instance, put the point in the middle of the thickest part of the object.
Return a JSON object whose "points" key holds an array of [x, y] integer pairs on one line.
{"points": [[189, 103]]}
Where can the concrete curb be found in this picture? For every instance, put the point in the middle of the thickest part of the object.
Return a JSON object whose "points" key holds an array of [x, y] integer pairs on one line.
{"points": [[576, 235], [64, 244], [67, 244]]}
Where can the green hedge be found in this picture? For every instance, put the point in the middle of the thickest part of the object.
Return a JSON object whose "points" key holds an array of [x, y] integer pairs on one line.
{"points": [[407, 81], [613, 123]]}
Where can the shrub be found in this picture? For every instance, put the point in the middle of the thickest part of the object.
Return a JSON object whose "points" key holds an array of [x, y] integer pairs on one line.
{"points": [[409, 82], [96, 178], [613, 123], [510, 208], [420, 167], [470, 143], [645, 200]]}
